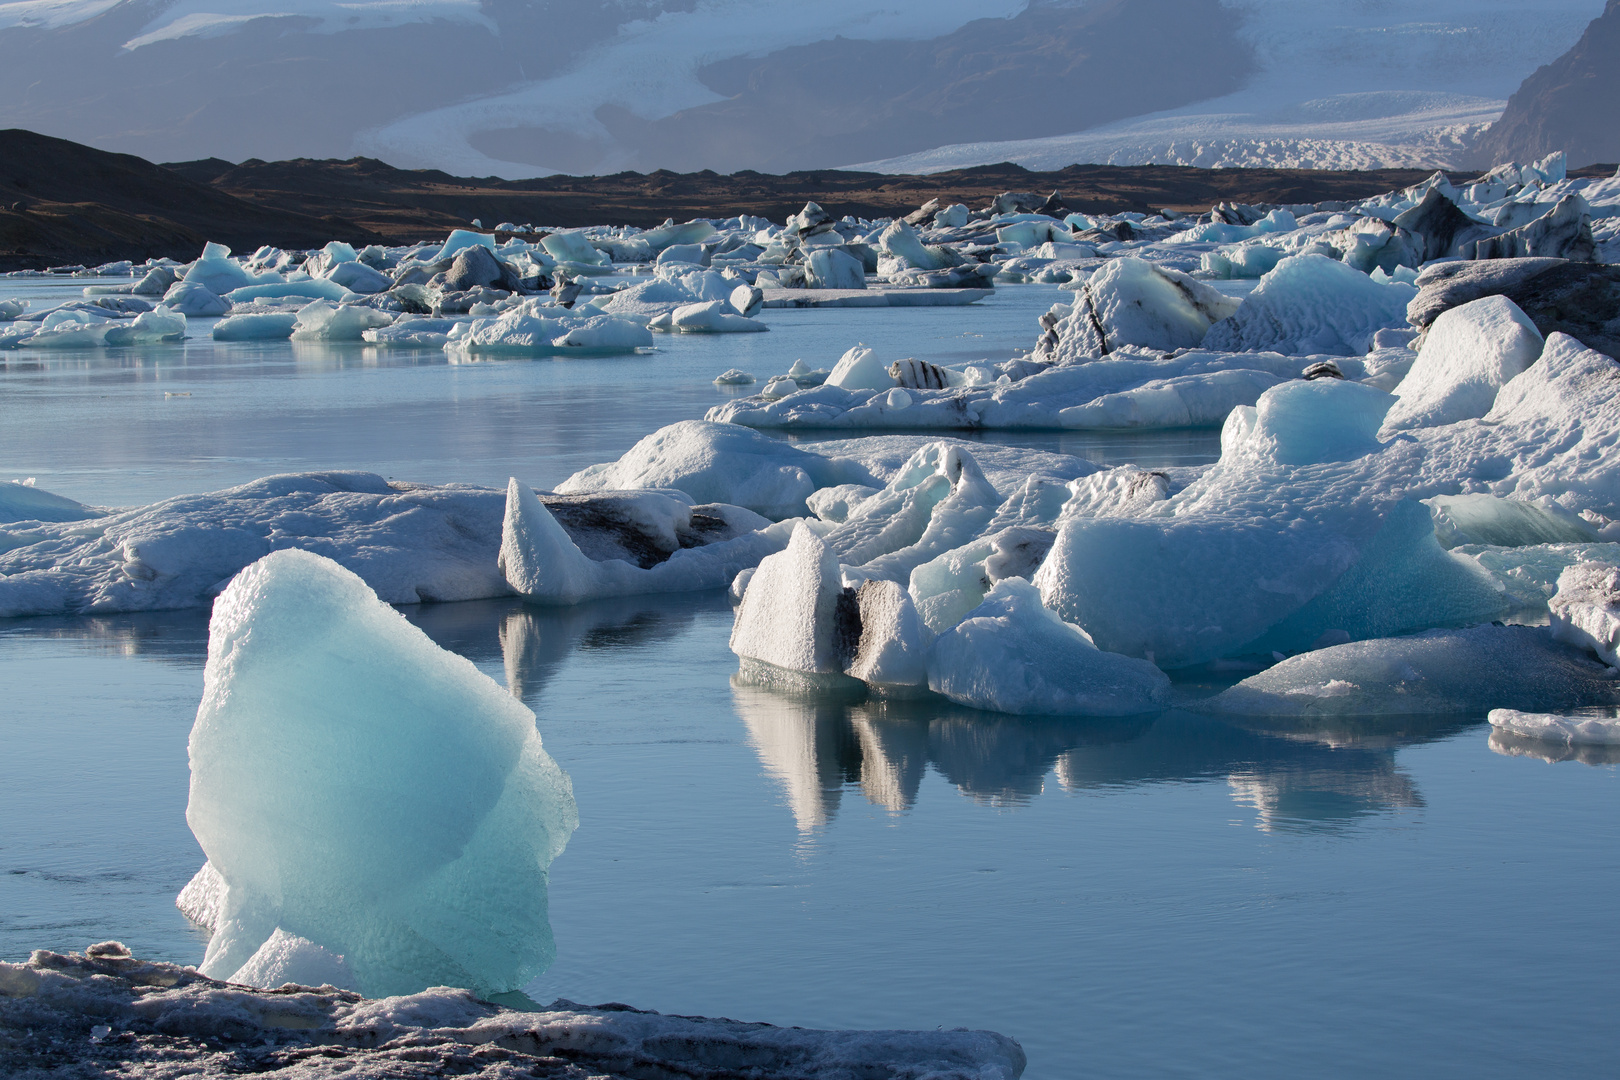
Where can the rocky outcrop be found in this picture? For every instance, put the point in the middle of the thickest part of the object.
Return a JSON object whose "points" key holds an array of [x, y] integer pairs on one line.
{"points": [[1571, 104], [1580, 299]]}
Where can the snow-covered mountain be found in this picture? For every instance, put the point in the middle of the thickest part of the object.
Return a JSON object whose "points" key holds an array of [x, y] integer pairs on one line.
{"points": [[524, 87]]}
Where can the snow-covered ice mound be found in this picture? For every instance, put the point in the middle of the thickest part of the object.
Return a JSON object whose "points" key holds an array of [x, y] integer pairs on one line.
{"points": [[1132, 302], [714, 462], [1313, 304], [1469, 354], [1439, 671], [1012, 655], [357, 787], [1129, 388], [22, 501], [1586, 609], [409, 543], [1302, 526], [110, 1012]]}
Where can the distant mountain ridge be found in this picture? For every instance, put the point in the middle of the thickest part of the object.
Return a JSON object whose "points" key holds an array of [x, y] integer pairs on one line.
{"points": [[1571, 104]]}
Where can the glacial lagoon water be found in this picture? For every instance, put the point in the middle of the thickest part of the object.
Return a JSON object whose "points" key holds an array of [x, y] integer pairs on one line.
{"points": [[1169, 895]]}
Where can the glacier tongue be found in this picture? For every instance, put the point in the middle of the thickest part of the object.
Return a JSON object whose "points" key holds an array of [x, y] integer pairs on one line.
{"points": [[356, 786]]}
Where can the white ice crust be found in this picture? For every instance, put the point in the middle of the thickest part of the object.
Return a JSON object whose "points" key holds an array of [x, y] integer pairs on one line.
{"points": [[1470, 353]]}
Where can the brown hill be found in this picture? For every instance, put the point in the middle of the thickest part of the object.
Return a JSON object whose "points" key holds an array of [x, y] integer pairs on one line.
{"points": [[1571, 104], [61, 202]]}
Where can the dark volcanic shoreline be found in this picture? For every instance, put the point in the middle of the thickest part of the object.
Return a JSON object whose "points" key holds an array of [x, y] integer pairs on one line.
{"points": [[62, 203]]}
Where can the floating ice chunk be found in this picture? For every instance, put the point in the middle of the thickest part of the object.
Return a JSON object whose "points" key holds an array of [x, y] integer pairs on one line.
{"points": [[829, 268], [901, 242], [357, 277], [1013, 655], [256, 326], [1586, 609], [893, 651], [1439, 671], [1313, 304], [312, 288], [860, 369], [521, 332], [573, 247], [734, 377], [693, 232], [605, 334], [1551, 434], [1246, 262], [411, 543], [688, 254], [939, 500], [195, 299], [419, 331], [25, 502], [357, 786], [10, 309], [897, 399], [746, 300], [1569, 730], [1470, 353], [542, 562], [1133, 302], [952, 217], [1303, 491], [217, 272], [722, 463], [321, 321], [796, 614], [286, 958], [779, 386], [460, 239], [712, 317]]}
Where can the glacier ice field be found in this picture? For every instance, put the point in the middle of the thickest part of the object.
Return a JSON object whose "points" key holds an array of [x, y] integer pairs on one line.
{"points": [[1196, 655]]}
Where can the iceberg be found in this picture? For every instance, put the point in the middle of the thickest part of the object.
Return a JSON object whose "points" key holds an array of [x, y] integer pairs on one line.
{"points": [[796, 614], [704, 548], [409, 543], [712, 317], [256, 326], [1586, 609], [356, 786], [1130, 301], [1548, 727], [1469, 353], [1013, 655], [195, 299], [522, 331], [1438, 671], [1303, 493], [1313, 304], [830, 268], [320, 320], [722, 463]]}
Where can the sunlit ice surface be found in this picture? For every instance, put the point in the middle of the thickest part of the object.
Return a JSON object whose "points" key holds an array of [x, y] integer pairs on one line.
{"points": [[1167, 894]]}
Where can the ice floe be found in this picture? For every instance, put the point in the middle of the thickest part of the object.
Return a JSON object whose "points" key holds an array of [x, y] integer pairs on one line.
{"points": [[318, 699]]}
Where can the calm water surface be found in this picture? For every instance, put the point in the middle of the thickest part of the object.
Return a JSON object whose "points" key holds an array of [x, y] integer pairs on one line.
{"points": [[1167, 895]]}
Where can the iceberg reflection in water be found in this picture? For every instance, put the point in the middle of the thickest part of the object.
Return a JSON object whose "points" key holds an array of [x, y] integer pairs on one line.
{"points": [[1101, 893], [816, 744]]}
